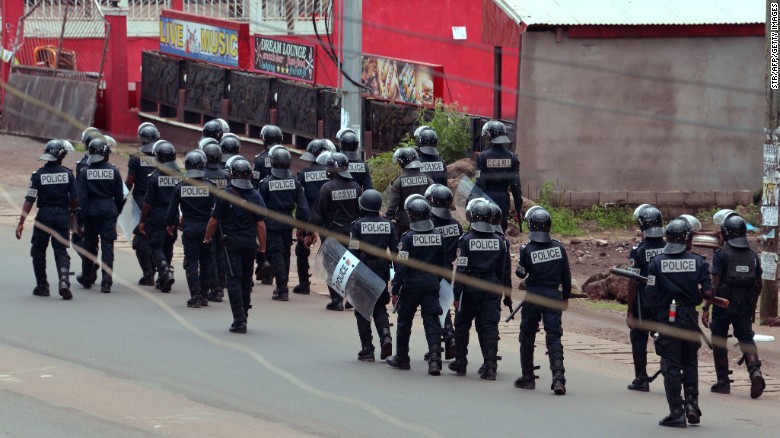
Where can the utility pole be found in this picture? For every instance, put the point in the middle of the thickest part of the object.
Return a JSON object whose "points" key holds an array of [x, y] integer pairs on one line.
{"points": [[769, 201], [352, 50]]}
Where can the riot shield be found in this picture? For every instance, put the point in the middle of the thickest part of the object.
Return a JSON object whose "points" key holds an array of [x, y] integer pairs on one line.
{"points": [[466, 191], [350, 278], [129, 218], [446, 298]]}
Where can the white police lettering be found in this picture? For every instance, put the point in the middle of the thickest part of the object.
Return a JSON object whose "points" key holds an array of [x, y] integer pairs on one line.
{"points": [[357, 167], [255, 174], [375, 227], [462, 261], [744, 269], [340, 195], [148, 162], [100, 174], [635, 270], [678, 265], [32, 193], [221, 183], [54, 178], [426, 240], [411, 181], [650, 253], [267, 162], [281, 184], [318, 175], [433, 166], [651, 280], [354, 244], [449, 230], [546, 255], [194, 192], [499, 162], [483, 245], [403, 255], [167, 181]]}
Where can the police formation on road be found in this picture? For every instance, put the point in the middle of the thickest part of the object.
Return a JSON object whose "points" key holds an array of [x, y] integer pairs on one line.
{"points": [[231, 216]]}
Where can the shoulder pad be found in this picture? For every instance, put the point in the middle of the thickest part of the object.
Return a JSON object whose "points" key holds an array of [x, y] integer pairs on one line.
{"points": [[36, 171], [635, 246]]}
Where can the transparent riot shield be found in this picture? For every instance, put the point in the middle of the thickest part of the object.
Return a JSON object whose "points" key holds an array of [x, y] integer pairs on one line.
{"points": [[446, 298], [129, 218], [466, 191]]}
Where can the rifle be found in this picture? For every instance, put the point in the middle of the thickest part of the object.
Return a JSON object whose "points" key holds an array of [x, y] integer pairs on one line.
{"points": [[715, 301]]}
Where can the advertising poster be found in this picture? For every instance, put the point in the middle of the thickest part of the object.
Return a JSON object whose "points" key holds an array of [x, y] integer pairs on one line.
{"points": [[284, 58], [401, 81], [199, 41]]}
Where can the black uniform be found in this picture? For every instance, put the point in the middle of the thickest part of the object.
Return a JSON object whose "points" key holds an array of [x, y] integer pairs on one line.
{"points": [[507, 290], [217, 174], [360, 174], [498, 170], [678, 277], [411, 182], [418, 288], [483, 256], [158, 195], [53, 188], [101, 198], [638, 262], [312, 179], [141, 166], [282, 195], [196, 203], [262, 166], [434, 167], [75, 238], [451, 231]]}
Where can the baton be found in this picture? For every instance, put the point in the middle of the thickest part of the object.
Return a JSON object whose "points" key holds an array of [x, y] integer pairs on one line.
{"points": [[514, 312], [224, 248], [701, 332], [715, 301], [654, 376]]}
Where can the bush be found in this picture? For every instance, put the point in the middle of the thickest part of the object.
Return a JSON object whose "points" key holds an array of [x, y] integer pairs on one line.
{"points": [[568, 222], [451, 126], [383, 170]]}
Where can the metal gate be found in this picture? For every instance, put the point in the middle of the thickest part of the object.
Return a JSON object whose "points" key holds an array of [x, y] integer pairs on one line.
{"points": [[60, 50]]}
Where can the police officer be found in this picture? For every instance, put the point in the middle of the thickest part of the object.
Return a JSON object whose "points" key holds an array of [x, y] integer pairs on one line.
{"points": [[213, 129], [498, 170], [53, 188], [432, 164], [736, 275], [216, 174], [78, 240], [414, 288], [640, 307], [378, 232], [411, 182], [350, 143], [283, 193], [272, 136], [139, 167], [337, 207], [311, 178], [481, 255], [101, 198], [545, 266], [231, 147], [192, 195], [162, 183], [674, 280], [244, 232]]}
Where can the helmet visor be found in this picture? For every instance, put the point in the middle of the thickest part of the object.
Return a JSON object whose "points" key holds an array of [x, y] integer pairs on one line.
{"points": [[413, 165], [308, 156], [501, 139], [540, 236], [47, 157], [241, 183], [441, 212], [193, 173], [281, 173], [654, 232], [429, 150], [345, 174], [421, 226], [95, 159], [739, 242], [483, 227], [674, 248]]}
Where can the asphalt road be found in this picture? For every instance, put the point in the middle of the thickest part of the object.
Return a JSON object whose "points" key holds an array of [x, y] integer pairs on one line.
{"points": [[137, 363]]}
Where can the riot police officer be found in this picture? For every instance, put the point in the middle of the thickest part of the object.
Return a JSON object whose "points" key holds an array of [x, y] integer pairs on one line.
{"points": [[337, 207], [244, 233], [736, 275], [283, 193], [231, 147], [545, 266], [216, 174], [674, 280], [213, 129], [498, 170], [101, 198], [78, 240], [432, 164], [192, 195], [414, 288], [481, 255], [272, 136], [53, 189], [162, 183], [640, 308], [378, 232], [139, 167], [350, 143], [312, 178], [411, 182]]}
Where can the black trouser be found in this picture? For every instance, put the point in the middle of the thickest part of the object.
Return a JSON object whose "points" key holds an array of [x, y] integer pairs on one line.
{"points": [[278, 245], [380, 316], [105, 229], [501, 198], [240, 260], [218, 269], [679, 360], [55, 218], [486, 307], [428, 301], [639, 338], [302, 261], [140, 244], [161, 244], [739, 315], [197, 263], [531, 314]]}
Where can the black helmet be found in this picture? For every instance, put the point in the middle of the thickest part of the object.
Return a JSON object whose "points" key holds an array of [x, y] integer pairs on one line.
{"points": [[419, 212], [213, 129], [240, 172], [407, 158], [480, 217], [271, 135], [539, 225], [428, 142], [470, 205], [55, 150], [440, 198], [417, 133], [213, 153], [370, 200], [349, 143], [735, 231], [89, 134], [205, 141], [496, 217], [165, 154], [147, 135], [337, 164], [230, 145], [342, 131], [225, 126], [496, 131], [280, 161], [142, 126], [649, 220], [98, 150], [676, 234], [194, 163], [313, 150]]}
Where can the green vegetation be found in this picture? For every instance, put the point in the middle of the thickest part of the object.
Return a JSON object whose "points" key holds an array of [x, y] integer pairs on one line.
{"points": [[383, 170], [452, 127], [571, 222]]}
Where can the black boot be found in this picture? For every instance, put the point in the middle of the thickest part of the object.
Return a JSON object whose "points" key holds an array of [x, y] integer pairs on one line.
{"points": [[281, 293], [194, 302], [434, 360], [676, 418], [640, 383], [366, 353], [302, 288], [147, 279], [263, 271], [459, 366], [526, 381], [692, 411], [65, 292], [335, 304], [398, 362], [239, 320], [558, 381], [723, 385], [41, 290], [216, 295], [491, 366], [166, 277], [757, 383], [449, 346], [387, 343]]}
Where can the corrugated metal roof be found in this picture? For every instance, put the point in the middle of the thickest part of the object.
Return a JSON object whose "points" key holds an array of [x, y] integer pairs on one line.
{"points": [[634, 12]]}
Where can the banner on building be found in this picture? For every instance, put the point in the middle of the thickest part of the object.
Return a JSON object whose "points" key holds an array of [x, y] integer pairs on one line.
{"points": [[189, 36], [286, 59], [401, 81]]}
